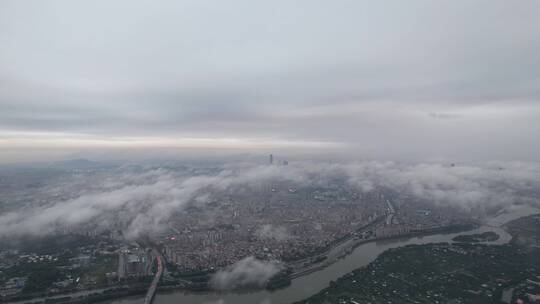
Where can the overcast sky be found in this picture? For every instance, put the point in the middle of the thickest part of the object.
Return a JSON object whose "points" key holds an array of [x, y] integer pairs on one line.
{"points": [[367, 79]]}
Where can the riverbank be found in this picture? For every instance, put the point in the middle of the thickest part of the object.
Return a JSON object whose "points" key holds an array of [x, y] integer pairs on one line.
{"points": [[87, 296], [349, 245], [310, 284], [466, 271], [355, 243], [339, 250]]}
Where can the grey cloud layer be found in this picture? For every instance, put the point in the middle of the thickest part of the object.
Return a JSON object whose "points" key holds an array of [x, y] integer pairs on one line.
{"points": [[143, 202], [376, 77]]}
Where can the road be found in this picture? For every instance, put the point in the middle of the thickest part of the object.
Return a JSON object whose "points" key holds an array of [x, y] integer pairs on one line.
{"points": [[391, 212], [332, 254], [152, 289]]}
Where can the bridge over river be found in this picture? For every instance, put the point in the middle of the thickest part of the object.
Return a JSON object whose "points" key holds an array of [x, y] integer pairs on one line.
{"points": [[152, 289]]}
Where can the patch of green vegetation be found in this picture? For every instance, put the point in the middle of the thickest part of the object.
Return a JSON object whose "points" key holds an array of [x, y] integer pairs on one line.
{"points": [[465, 272], [488, 236], [525, 231], [41, 278]]}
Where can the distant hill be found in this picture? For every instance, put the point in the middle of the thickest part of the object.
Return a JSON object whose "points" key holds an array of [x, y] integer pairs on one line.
{"points": [[79, 163]]}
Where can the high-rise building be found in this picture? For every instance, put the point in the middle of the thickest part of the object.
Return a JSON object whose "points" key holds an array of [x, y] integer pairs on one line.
{"points": [[271, 159]]}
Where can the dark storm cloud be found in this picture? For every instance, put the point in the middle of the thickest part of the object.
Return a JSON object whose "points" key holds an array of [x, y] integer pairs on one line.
{"points": [[376, 79]]}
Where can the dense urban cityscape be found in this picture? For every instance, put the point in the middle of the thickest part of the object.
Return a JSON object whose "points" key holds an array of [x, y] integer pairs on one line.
{"points": [[291, 226]]}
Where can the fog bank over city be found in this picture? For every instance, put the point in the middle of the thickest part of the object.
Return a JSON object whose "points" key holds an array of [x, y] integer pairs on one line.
{"points": [[240, 152], [141, 201], [356, 79]]}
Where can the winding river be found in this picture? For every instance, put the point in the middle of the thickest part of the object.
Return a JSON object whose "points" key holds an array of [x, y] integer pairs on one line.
{"points": [[310, 284]]}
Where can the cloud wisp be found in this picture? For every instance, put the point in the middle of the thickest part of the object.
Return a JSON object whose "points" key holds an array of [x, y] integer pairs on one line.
{"points": [[248, 272], [142, 202], [268, 231]]}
